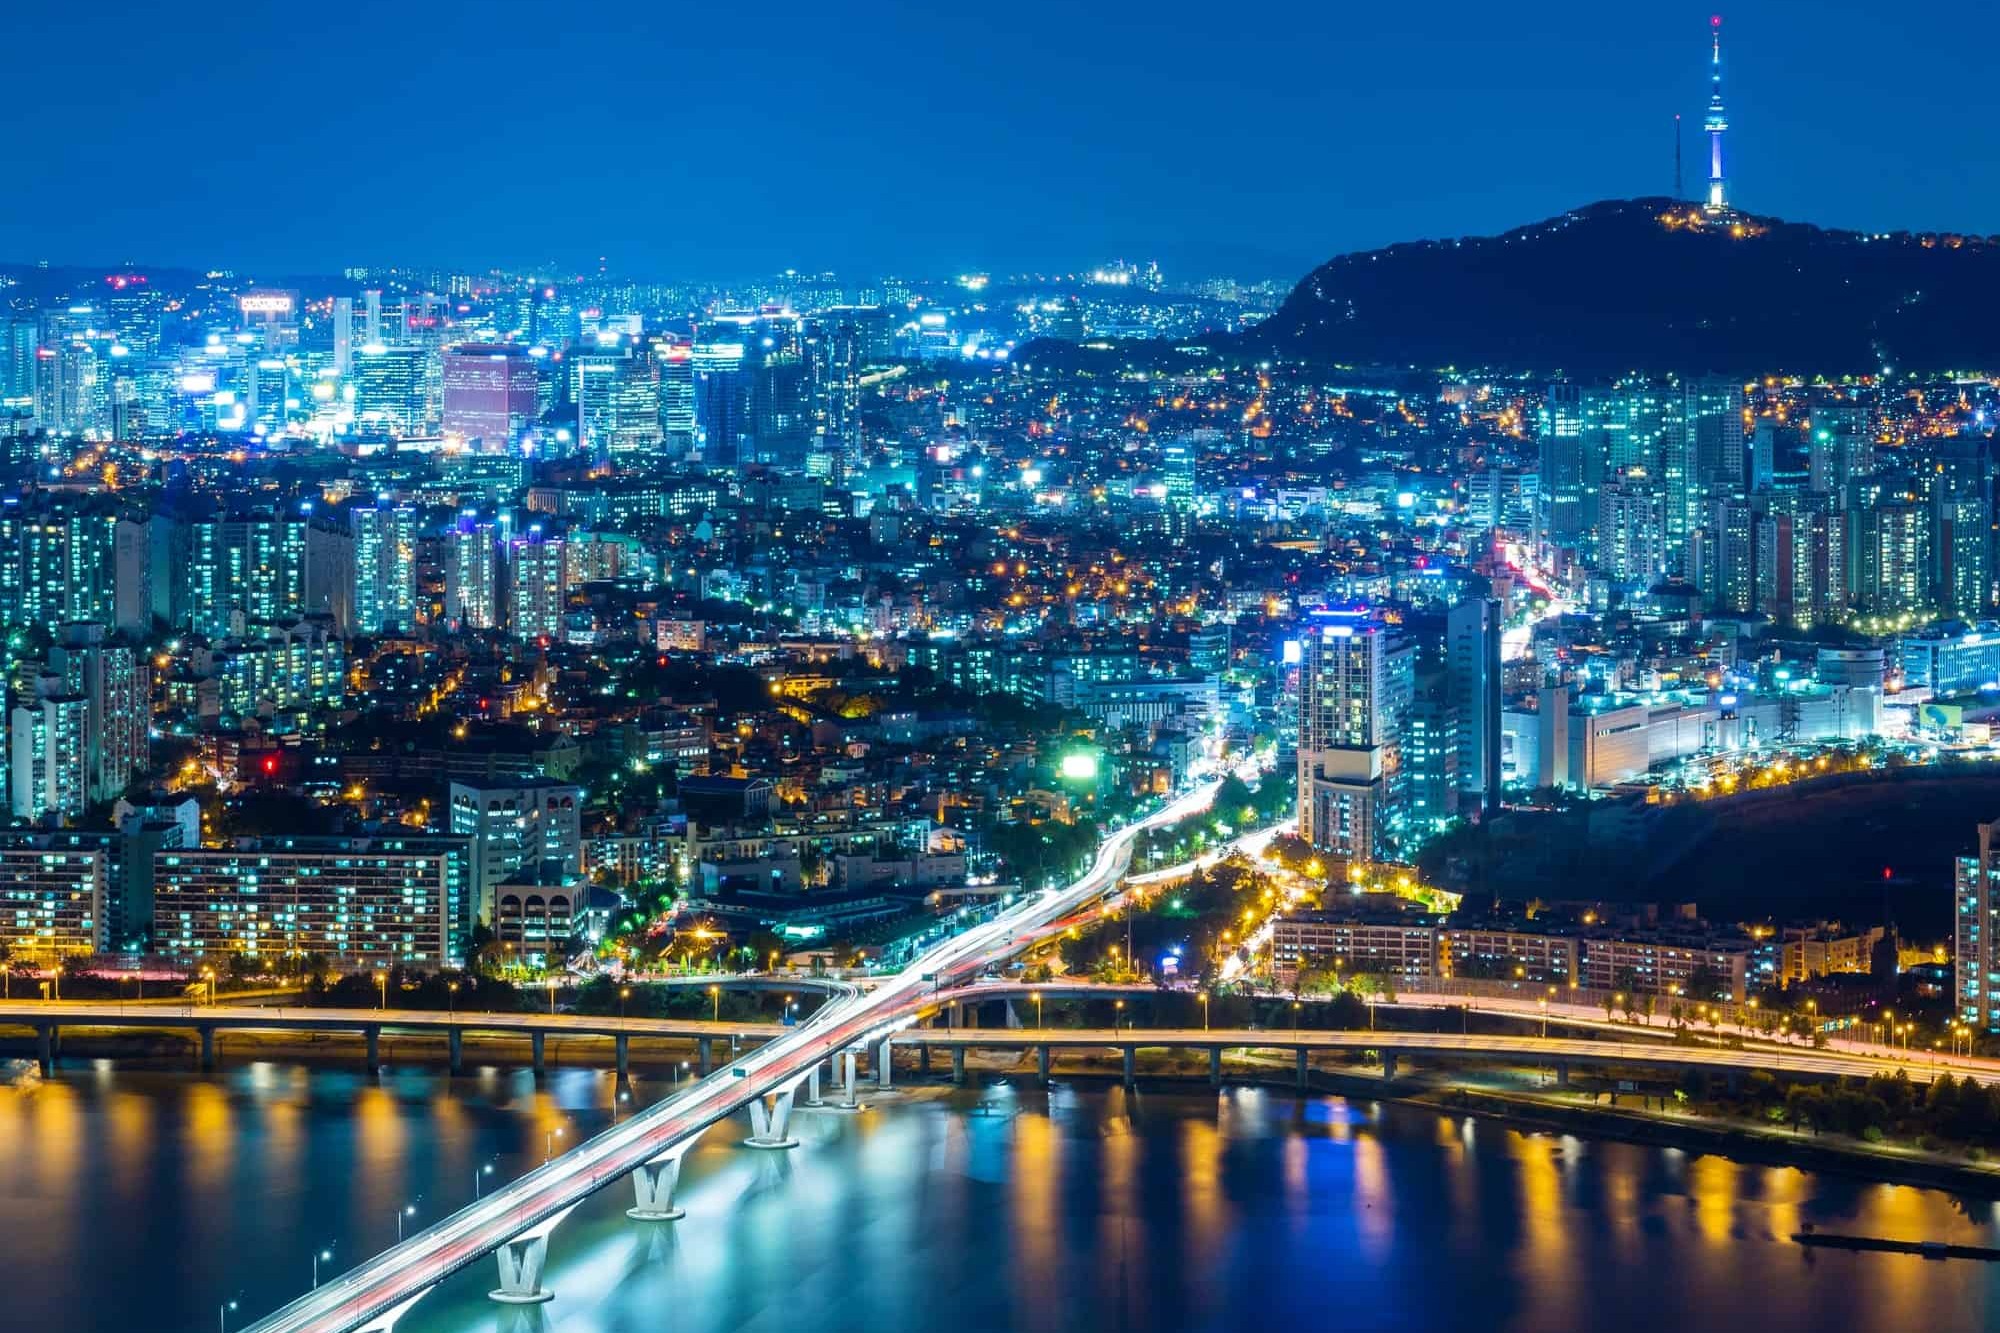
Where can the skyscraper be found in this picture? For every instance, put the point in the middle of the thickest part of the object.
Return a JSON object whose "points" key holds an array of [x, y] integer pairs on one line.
{"points": [[489, 394]]}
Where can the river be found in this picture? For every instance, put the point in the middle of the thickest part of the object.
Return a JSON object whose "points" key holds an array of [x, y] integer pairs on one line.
{"points": [[134, 1199]]}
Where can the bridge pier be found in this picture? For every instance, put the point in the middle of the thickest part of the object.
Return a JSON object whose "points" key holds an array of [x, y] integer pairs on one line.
{"points": [[1131, 1054], [770, 1119], [1388, 1066], [537, 1042], [1215, 1066], [455, 1043], [924, 1060], [885, 1067], [374, 1037], [207, 1049], [1304, 1076], [704, 1049], [1562, 1073], [1042, 1062], [653, 1185], [521, 1261], [846, 1064], [45, 1048], [958, 1064], [622, 1044]]}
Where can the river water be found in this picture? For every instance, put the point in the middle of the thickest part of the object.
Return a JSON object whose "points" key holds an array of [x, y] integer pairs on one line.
{"points": [[145, 1200]]}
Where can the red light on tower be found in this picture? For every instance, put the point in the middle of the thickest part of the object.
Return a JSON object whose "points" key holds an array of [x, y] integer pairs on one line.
{"points": [[270, 763], [1715, 20]]}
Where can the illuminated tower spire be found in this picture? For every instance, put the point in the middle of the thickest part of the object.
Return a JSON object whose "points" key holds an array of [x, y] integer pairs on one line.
{"points": [[1716, 121]]}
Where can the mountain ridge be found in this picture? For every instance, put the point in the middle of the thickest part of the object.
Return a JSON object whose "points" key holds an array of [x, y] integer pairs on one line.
{"points": [[1651, 284]]}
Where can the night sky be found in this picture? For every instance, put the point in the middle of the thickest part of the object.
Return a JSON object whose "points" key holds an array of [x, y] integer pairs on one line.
{"points": [[711, 139]]}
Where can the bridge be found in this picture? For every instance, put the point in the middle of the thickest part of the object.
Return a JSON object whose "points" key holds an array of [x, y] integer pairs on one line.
{"points": [[1557, 1052], [514, 1221], [48, 1019]]}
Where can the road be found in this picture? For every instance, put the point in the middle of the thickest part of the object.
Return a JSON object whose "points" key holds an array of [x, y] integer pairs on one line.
{"points": [[300, 1018], [399, 1274]]}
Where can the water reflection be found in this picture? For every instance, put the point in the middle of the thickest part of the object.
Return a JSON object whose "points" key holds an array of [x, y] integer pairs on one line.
{"points": [[137, 1200]]}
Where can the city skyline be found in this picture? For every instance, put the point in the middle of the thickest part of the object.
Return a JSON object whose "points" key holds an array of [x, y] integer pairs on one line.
{"points": [[1322, 133]]}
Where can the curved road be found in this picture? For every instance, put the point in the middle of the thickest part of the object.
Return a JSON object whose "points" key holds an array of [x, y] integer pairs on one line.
{"points": [[398, 1275]]}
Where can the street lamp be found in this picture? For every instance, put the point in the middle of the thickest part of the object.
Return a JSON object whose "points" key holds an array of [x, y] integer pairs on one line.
{"points": [[1038, 1010], [552, 993], [320, 1257], [679, 1069], [624, 994], [1295, 1018], [451, 996], [1545, 1019], [1118, 1016], [549, 1143], [1204, 1011], [222, 1313], [485, 1169], [407, 1210], [715, 998], [382, 985]]}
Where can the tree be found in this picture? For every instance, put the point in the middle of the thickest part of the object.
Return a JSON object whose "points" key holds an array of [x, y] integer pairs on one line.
{"points": [[1704, 983]]}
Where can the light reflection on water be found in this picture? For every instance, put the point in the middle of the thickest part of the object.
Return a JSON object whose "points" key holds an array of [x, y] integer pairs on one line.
{"points": [[136, 1200]]}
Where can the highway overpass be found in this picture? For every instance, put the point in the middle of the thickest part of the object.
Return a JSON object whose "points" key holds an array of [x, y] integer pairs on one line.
{"points": [[514, 1221]]}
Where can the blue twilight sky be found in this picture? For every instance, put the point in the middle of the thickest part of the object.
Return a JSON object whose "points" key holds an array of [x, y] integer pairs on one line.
{"points": [[723, 139]]}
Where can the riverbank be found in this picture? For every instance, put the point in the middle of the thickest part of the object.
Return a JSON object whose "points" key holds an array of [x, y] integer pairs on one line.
{"points": [[1735, 1139]]}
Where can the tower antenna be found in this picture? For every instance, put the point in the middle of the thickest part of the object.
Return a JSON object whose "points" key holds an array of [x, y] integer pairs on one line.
{"points": [[1678, 196]]}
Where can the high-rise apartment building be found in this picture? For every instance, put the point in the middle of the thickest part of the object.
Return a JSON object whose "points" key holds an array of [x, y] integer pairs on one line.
{"points": [[385, 567], [472, 573], [1975, 958], [514, 829], [537, 576], [1355, 686]]}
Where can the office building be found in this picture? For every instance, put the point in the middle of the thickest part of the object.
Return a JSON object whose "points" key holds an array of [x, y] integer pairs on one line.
{"points": [[490, 395]]}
